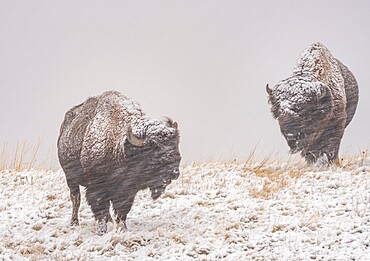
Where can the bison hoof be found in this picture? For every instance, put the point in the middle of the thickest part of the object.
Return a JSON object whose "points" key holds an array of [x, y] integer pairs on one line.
{"points": [[74, 222], [323, 161], [121, 226], [102, 227], [109, 218]]}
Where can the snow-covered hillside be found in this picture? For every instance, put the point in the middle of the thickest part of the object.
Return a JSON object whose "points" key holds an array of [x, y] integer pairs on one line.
{"points": [[213, 211]]}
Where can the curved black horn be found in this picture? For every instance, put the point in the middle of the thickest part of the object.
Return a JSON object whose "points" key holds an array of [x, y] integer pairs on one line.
{"points": [[170, 123], [268, 89]]}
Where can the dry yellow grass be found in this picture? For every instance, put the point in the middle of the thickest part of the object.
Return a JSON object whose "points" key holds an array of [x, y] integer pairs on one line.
{"points": [[275, 173], [22, 156]]}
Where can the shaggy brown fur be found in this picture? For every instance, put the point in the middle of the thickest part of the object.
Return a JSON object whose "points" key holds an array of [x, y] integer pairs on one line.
{"points": [[315, 105], [107, 145]]}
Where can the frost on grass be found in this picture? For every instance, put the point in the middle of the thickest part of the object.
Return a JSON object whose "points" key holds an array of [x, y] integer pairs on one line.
{"points": [[278, 211]]}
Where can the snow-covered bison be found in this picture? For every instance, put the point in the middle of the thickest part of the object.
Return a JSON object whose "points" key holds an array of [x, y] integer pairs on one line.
{"points": [[109, 146], [315, 104]]}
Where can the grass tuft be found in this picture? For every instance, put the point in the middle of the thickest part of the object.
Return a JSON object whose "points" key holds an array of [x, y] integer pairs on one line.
{"points": [[22, 157]]}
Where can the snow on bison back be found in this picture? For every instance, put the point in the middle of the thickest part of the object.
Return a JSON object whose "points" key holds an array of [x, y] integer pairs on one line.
{"points": [[109, 146], [315, 104]]}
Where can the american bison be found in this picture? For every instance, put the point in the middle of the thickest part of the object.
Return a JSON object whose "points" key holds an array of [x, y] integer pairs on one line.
{"points": [[315, 104], [109, 146]]}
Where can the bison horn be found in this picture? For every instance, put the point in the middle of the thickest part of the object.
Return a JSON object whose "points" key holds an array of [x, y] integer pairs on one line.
{"points": [[268, 90], [133, 139], [170, 123]]}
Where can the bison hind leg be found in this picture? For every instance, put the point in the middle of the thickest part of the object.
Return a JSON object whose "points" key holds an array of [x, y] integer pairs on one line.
{"points": [[76, 201]]}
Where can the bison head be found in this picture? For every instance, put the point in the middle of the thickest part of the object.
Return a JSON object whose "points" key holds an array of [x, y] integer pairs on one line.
{"points": [[302, 107], [154, 154]]}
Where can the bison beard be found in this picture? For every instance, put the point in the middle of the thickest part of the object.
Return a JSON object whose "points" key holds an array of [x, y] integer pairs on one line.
{"points": [[315, 104], [107, 145]]}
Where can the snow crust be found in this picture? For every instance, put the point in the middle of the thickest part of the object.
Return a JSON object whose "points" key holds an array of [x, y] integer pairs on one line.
{"points": [[153, 129], [98, 126], [130, 113], [213, 211], [315, 69], [295, 91]]}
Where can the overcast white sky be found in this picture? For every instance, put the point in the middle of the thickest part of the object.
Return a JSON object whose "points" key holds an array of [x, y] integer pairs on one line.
{"points": [[203, 63]]}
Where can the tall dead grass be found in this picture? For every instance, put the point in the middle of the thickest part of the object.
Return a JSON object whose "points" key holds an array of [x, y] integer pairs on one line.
{"points": [[275, 172], [22, 156], [279, 173]]}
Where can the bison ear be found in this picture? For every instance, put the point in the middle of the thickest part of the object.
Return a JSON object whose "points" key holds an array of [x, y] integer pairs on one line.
{"points": [[268, 90], [133, 139]]}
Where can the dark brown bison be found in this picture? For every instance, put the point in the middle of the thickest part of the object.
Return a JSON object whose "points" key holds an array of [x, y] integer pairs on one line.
{"points": [[315, 105], [109, 146]]}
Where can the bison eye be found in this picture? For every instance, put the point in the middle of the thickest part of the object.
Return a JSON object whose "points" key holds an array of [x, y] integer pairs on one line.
{"points": [[301, 135]]}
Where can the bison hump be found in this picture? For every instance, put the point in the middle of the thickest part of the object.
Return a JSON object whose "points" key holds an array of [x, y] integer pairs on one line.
{"points": [[105, 135]]}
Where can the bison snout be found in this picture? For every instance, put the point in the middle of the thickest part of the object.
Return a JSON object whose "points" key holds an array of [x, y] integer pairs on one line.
{"points": [[167, 182], [156, 192], [296, 141]]}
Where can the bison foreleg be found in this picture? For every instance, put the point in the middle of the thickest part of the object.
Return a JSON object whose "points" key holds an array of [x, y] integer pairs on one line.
{"points": [[121, 208], [98, 199], [331, 140], [102, 224], [328, 144], [76, 200]]}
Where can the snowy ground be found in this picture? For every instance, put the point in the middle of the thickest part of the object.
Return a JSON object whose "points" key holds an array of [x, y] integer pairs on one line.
{"points": [[213, 211]]}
